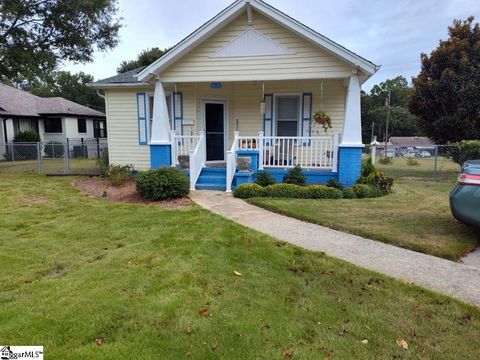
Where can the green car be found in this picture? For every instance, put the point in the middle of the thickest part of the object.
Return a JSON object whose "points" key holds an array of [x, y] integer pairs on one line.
{"points": [[465, 198]]}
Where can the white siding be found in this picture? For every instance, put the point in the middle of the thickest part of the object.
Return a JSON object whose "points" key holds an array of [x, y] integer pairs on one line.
{"points": [[71, 129], [307, 62], [122, 129]]}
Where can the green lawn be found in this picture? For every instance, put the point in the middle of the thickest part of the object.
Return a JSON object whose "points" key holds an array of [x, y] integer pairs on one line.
{"points": [[416, 216], [446, 169], [77, 166], [76, 269]]}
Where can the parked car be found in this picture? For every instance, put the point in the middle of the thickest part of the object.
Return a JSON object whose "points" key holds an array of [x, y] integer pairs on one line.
{"points": [[411, 153], [465, 198]]}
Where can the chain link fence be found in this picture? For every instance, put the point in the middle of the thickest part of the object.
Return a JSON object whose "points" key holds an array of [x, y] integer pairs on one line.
{"points": [[73, 157], [427, 163]]}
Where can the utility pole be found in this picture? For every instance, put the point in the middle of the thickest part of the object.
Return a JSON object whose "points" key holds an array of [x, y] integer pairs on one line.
{"points": [[387, 103]]}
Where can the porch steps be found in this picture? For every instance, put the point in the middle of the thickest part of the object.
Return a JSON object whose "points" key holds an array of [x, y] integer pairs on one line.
{"points": [[212, 178]]}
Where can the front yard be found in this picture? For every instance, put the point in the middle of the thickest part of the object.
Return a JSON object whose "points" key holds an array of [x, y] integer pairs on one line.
{"points": [[416, 216], [90, 279]]}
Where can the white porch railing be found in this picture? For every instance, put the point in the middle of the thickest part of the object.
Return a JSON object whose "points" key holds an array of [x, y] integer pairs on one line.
{"points": [[314, 152], [232, 162], [198, 158], [182, 145]]}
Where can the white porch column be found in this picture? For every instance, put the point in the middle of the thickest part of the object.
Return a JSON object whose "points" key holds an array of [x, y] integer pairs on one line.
{"points": [[161, 122], [352, 126]]}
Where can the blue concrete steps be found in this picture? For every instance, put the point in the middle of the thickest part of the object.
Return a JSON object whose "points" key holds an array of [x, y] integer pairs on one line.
{"points": [[212, 178]]}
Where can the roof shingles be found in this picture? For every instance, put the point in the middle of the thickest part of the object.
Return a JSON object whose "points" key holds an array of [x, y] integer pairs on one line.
{"points": [[15, 102]]}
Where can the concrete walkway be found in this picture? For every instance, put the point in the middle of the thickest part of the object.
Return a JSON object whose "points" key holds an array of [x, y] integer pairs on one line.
{"points": [[448, 277]]}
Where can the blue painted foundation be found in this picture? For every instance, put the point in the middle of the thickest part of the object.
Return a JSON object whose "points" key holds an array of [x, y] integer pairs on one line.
{"points": [[160, 156], [252, 154], [313, 176], [349, 165]]}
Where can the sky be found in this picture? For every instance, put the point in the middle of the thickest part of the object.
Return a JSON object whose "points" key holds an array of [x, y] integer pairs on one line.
{"points": [[390, 33]]}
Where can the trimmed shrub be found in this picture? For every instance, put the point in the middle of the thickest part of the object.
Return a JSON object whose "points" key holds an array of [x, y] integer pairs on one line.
{"points": [[385, 160], [335, 184], [295, 176], [367, 167], [118, 174], [162, 184], [323, 192], [348, 193], [379, 181], [247, 191], [363, 191], [464, 150], [412, 162], [264, 179], [27, 136], [54, 149], [26, 151], [291, 191]]}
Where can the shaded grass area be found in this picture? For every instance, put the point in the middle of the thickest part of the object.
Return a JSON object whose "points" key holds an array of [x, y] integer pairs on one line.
{"points": [[416, 216], [142, 278]]}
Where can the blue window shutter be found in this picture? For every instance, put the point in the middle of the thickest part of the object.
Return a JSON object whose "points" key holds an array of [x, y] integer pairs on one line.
{"points": [[268, 116], [307, 100], [142, 118], [178, 112]]}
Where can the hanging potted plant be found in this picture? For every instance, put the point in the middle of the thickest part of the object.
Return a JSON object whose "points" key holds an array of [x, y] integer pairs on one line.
{"points": [[323, 119]]}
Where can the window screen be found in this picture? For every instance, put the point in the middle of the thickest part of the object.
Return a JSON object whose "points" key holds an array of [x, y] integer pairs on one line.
{"points": [[287, 115]]}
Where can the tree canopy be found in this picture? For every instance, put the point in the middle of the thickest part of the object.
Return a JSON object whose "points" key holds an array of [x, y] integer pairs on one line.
{"points": [[145, 58], [446, 93], [36, 35], [374, 111], [69, 86]]}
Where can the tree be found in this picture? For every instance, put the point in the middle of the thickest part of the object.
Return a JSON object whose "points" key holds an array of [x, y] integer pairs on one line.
{"points": [[374, 111], [446, 93], [145, 58], [69, 86], [36, 35]]}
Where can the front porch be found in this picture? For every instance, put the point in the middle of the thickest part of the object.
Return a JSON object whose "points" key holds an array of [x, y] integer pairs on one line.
{"points": [[215, 124]]}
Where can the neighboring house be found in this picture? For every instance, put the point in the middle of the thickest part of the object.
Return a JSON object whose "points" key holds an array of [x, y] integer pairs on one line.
{"points": [[245, 84], [54, 119], [412, 142]]}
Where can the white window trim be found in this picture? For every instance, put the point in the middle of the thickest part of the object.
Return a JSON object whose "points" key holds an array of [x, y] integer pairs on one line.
{"points": [[299, 118]]}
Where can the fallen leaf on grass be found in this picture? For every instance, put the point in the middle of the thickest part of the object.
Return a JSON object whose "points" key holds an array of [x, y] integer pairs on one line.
{"points": [[237, 273], [188, 330], [328, 272], [99, 341], [288, 352], [402, 343], [364, 342], [203, 312]]}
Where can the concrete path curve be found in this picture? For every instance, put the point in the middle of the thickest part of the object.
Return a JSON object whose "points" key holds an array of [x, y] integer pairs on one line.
{"points": [[448, 277]]}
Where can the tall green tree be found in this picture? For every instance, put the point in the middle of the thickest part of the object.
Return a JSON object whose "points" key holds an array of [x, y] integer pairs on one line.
{"points": [[446, 93], [145, 58], [375, 111], [69, 86], [37, 35]]}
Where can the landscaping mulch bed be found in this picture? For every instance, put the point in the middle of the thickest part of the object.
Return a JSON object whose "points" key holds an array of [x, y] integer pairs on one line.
{"points": [[126, 193]]}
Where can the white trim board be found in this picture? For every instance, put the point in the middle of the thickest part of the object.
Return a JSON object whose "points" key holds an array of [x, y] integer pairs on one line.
{"points": [[230, 13]]}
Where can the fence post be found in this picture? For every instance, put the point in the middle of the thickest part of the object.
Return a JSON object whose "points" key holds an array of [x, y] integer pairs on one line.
{"points": [[98, 148], [260, 149], [39, 166], [13, 153], [435, 178], [374, 154], [65, 158]]}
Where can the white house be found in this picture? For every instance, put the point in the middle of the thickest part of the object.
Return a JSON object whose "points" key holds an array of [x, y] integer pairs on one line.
{"points": [[54, 119], [246, 83]]}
